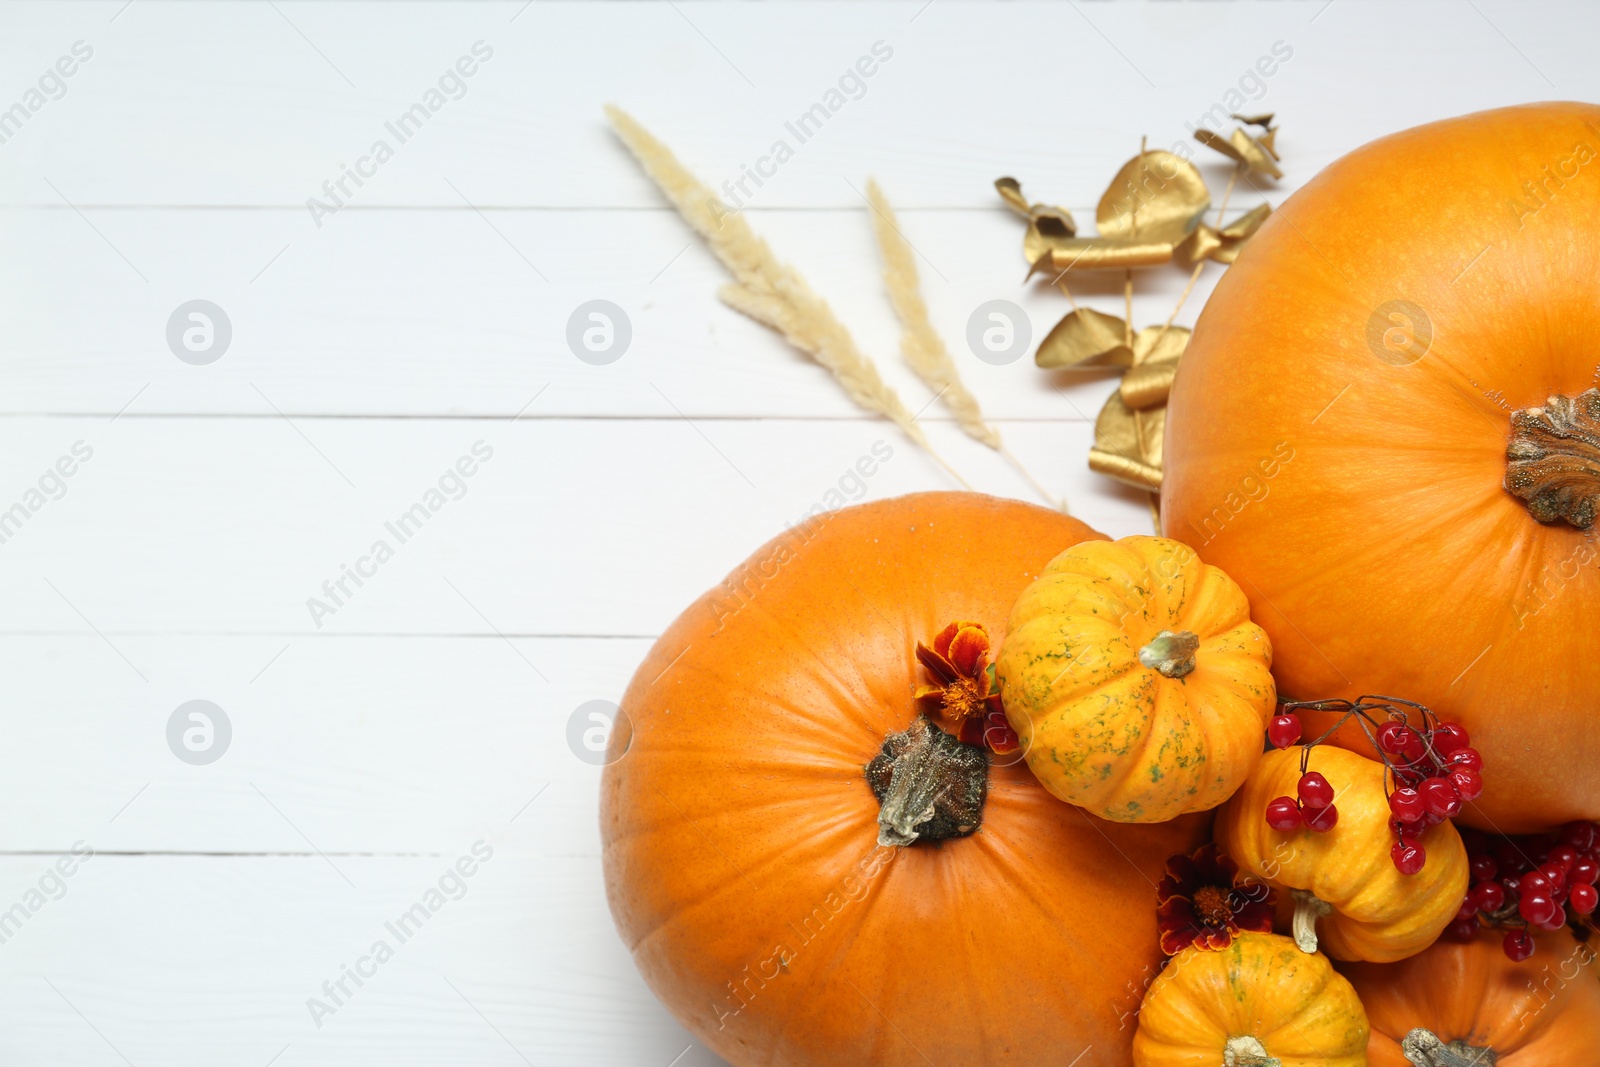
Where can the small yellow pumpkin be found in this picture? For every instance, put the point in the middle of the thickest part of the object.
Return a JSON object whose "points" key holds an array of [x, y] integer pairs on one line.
{"points": [[1258, 1002], [1343, 881], [1135, 680]]}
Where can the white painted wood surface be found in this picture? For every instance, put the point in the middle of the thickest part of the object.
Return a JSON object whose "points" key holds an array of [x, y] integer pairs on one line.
{"points": [[371, 352]]}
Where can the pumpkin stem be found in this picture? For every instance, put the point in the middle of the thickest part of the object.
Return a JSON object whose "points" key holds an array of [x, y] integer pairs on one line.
{"points": [[1553, 459], [1247, 1051], [929, 785], [1307, 910], [1424, 1049], [1171, 654]]}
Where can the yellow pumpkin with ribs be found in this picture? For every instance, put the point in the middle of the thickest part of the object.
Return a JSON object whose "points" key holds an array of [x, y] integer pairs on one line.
{"points": [[1135, 680], [1343, 882]]}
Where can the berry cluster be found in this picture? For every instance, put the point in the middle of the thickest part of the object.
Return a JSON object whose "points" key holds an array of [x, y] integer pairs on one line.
{"points": [[1543, 881], [1431, 770]]}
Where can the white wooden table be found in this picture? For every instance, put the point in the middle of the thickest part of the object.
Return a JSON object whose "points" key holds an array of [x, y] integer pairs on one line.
{"points": [[373, 346]]}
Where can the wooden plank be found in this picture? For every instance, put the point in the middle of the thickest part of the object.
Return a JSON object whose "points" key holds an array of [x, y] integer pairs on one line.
{"points": [[438, 313], [184, 960], [571, 527], [277, 101], [331, 745]]}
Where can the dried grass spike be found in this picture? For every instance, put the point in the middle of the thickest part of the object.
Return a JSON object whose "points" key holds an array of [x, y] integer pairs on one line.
{"points": [[767, 290], [924, 350], [920, 343]]}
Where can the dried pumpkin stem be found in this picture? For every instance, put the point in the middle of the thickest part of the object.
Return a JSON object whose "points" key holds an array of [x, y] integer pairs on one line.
{"points": [[1247, 1051], [1307, 910], [1424, 1049], [1171, 654], [1553, 459], [930, 786]]}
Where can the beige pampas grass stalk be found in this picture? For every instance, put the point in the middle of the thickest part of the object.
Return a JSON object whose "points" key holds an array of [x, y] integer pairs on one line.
{"points": [[766, 289], [920, 343]]}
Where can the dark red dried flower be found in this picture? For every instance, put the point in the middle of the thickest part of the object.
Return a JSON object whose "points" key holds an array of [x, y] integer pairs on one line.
{"points": [[1202, 901], [964, 700]]}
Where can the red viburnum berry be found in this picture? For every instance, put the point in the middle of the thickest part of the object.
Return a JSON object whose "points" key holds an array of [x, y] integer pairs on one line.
{"points": [[1449, 737], [1462, 929], [1518, 945], [1583, 898], [1509, 855], [1441, 797], [1284, 730], [1393, 737], [1467, 758], [1538, 908], [1489, 896], [1283, 815], [1407, 805], [1565, 855], [1483, 868], [1314, 790], [1580, 835], [1409, 856], [1468, 783], [1322, 819]]}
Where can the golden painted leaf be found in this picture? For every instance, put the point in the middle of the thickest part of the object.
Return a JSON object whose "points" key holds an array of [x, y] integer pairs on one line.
{"points": [[1010, 191], [1156, 196], [1149, 384], [1253, 155], [1256, 155], [1120, 440], [1224, 245], [1085, 338], [1044, 233], [1199, 245], [1247, 224], [1216, 141], [1047, 224], [1101, 253], [1152, 424], [1155, 343], [1155, 365], [1269, 141]]}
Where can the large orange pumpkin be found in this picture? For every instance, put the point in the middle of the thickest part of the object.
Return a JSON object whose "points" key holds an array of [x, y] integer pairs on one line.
{"points": [[1541, 1012], [741, 836], [1338, 437]]}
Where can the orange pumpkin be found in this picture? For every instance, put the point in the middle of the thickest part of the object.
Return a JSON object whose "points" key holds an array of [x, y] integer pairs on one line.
{"points": [[1258, 1002], [1470, 997], [1337, 440], [741, 834]]}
